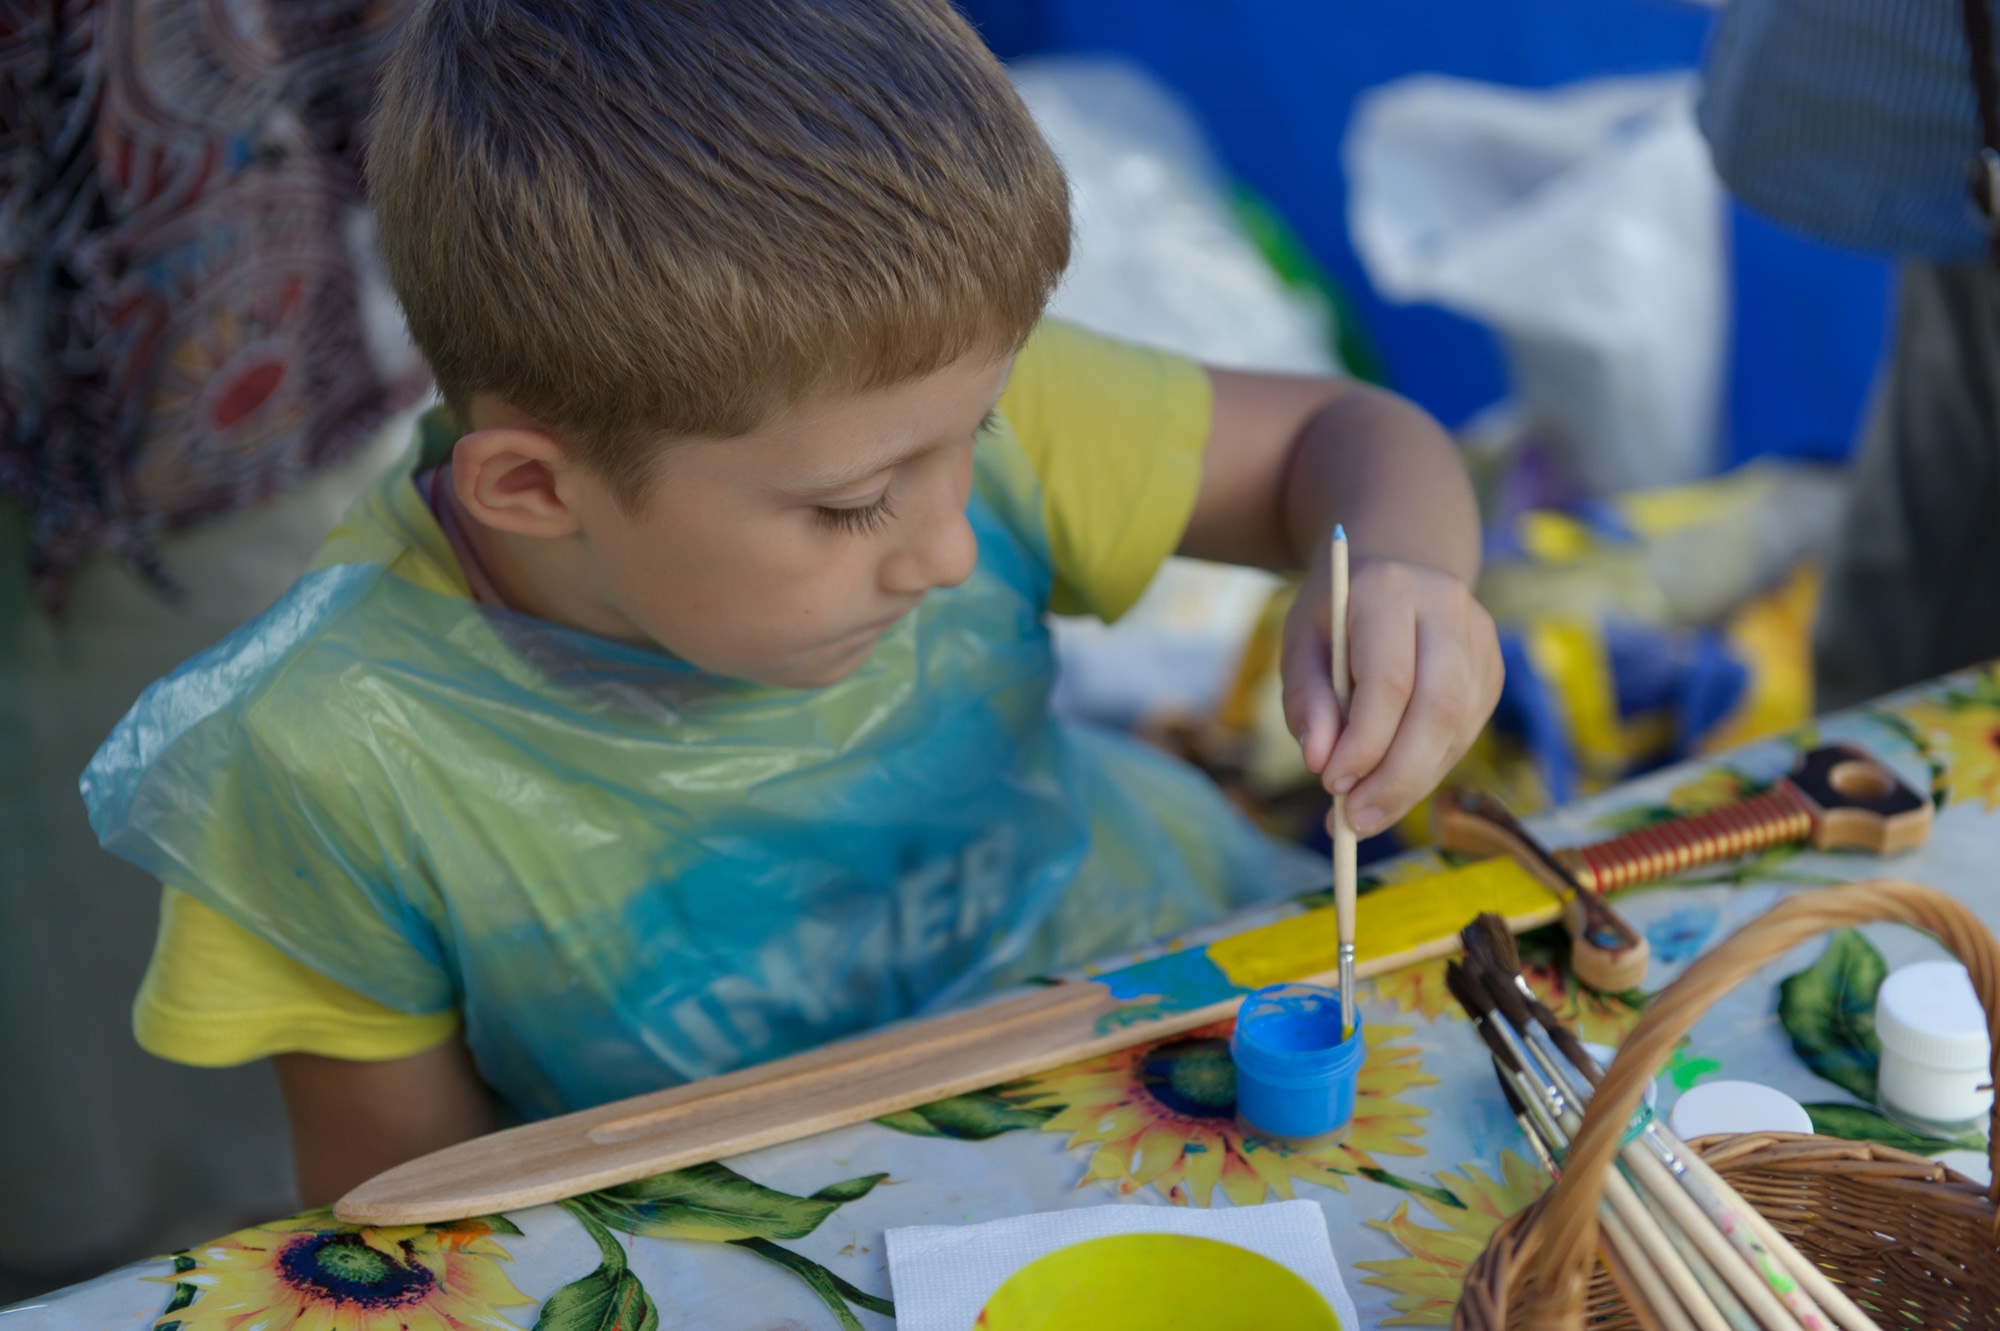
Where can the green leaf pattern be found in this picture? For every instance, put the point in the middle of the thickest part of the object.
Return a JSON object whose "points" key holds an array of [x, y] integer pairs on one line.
{"points": [[1866, 1125], [1828, 1009], [608, 1299], [706, 1203], [715, 1203], [971, 1118]]}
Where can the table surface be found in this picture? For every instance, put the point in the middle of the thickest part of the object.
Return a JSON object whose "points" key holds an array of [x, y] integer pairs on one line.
{"points": [[791, 1237]]}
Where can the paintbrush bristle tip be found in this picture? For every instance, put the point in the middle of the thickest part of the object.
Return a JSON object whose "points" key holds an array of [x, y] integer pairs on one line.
{"points": [[1489, 938], [1461, 987], [1339, 532]]}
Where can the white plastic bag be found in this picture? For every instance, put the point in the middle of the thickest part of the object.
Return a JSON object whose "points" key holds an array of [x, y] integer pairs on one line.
{"points": [[1585, 225], [1157, 256]]}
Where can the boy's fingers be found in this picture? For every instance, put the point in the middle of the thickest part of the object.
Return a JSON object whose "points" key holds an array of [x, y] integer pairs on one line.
{"points": [[1310, 710], [1383, 647], [1429, 739]]}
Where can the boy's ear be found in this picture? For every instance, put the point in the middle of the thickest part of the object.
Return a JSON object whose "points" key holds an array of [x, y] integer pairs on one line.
{"points": [[507, 477]]}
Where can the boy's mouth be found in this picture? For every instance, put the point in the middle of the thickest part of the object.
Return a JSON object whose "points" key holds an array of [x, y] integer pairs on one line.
{"points": [[876, 628], [865, 635]]}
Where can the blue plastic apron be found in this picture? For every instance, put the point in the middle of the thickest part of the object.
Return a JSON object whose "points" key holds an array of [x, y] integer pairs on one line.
{"points": [[626, 872]]}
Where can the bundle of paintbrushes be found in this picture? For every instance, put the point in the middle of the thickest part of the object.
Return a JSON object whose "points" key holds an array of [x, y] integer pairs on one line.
{"points": [[1687, 1252], [1642, 1231]]}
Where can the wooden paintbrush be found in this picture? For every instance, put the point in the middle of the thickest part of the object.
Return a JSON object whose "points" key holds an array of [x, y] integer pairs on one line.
{"points": [[1344, 849]]}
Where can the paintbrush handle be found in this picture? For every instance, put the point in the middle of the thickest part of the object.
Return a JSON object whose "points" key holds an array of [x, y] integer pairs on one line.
{"points": [[1651, 1248], [1770, 1293], [1674, 1230], [1828, 1295], [1655, 1306], [1345, 849]]}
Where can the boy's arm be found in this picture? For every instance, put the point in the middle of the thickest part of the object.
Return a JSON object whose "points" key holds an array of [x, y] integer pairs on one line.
{"points": [[1287, 457], [351, 1120]]}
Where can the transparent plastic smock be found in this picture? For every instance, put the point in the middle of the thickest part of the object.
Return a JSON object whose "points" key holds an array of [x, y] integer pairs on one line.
{"points": [[625, 872]]}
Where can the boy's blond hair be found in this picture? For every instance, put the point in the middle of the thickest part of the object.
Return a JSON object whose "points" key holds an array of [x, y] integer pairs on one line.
{"points": [[644, 218]]}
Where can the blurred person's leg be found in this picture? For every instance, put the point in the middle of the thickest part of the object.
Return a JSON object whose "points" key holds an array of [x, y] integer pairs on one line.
{"points": [[1913, 587], [106, 1153]]}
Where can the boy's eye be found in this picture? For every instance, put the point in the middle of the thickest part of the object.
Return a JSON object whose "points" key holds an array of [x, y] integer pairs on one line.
{"points": [[857, 521]]}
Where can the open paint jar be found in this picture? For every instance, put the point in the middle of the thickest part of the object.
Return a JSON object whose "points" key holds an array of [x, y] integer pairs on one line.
{"points": [[1295, 1076]]}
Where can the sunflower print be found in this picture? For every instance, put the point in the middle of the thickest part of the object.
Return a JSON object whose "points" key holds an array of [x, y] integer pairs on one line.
{"points": [[1163, 1115], [309, 1274], [1417, 990], [1427, 1282], [1963, 726]]}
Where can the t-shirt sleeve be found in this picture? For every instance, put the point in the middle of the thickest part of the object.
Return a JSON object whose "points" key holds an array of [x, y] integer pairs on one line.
{"points": [[216, 995], [1115, 433]]}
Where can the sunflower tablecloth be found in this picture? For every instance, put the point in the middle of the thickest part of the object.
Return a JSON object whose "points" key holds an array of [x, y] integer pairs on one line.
{"points": [[791, 1237]]}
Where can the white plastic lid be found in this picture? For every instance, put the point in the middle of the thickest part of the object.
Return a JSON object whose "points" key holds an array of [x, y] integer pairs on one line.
{"points": [[1736, 1106], [1928, 1013]]}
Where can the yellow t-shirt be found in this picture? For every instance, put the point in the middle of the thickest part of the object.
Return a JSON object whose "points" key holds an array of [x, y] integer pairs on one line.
{"points": [[1115, 434]]}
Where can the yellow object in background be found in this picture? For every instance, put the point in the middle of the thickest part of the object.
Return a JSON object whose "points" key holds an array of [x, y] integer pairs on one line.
{"points": [[1155, 1282], [1569, 656], [1773, 636], [1554, 538]]}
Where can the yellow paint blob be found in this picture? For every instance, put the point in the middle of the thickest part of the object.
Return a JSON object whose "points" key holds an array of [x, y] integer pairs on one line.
{"points": [[1155, 1282]]}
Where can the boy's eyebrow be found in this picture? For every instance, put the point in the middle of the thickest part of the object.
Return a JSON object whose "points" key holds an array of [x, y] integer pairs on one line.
{"points": [[839, 479], [832, 478]]}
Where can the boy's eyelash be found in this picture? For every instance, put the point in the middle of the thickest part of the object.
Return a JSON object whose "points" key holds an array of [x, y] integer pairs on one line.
{"points": [[873, 517], [858, 521]]}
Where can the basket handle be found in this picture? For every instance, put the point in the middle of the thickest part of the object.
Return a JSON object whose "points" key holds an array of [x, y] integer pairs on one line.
{"points": [[1569, 1222]]}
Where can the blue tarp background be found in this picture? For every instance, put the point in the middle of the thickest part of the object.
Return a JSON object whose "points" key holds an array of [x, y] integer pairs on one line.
{"points": [[1274, 80]]}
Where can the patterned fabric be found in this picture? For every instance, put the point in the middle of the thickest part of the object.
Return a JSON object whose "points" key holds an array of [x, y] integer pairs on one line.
{"points": [[792, 1235], [182, 329], [1852, 120]]}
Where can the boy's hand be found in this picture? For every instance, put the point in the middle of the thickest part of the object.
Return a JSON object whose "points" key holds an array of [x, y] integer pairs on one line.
{"points": [[1426, 665]]}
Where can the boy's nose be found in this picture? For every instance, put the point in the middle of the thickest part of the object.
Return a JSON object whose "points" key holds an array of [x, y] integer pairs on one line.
{"points": [[941, 553]]}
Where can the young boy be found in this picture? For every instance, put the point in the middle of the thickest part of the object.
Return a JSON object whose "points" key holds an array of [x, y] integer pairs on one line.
{"points": [[684, 701]]}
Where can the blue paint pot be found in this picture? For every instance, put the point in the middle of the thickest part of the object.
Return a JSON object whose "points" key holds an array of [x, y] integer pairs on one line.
{"points": [[1295, 1076]]}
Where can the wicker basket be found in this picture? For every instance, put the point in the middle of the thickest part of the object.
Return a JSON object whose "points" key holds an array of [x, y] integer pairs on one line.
{"points": [[1912, 1242]]}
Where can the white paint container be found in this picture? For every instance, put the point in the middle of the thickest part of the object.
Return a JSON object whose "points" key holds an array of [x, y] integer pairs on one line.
{"points": [[1735, 1106], [1935, 1052]]}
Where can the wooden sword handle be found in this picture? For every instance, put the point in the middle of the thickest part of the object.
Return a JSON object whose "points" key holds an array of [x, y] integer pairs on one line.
{"points": [[1838, 797], [1772, 818]]}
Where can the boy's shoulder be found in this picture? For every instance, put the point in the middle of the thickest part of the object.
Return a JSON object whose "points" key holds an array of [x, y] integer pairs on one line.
{"points": [[1113, 434]]}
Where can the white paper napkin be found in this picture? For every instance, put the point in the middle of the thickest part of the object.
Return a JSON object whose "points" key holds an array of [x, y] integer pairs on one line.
{"points": [[942, 1275]]}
